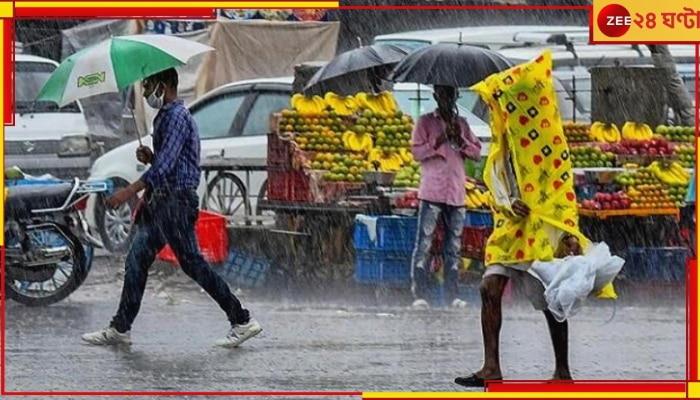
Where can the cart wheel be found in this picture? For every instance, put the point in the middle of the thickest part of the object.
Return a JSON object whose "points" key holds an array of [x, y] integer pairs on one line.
{"points": [[261, 212], [226, 194]]}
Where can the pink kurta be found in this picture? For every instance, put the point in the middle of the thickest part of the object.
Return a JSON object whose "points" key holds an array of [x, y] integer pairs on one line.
{"points": [[442, 170]]}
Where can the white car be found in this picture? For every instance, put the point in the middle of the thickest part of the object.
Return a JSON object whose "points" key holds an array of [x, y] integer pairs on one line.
{"points": [[45, 138], [493, 37], [233, 120]]}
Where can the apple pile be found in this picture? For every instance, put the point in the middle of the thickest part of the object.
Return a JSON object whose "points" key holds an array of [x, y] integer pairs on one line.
{"points": [[658, 146], [575, 132], [591, 157], [686, 155], [408, 200], [677, 133], [607, 201]]}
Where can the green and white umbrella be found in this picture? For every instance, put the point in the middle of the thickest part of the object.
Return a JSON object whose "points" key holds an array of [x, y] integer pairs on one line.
{"points": [[112, 65]]}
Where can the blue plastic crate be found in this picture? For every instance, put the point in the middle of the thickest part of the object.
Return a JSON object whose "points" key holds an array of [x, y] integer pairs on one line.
{"points": [[246, 270], [478, 218], [666, 264], [397, 233], [361, 237], [383, 268], [393, 233]]}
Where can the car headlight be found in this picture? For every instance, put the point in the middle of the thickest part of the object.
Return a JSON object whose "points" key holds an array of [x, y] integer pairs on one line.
{"points": [[74, 146]]}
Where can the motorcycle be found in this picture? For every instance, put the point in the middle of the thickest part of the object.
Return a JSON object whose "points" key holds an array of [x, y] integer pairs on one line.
{"points": [[48, 243]]}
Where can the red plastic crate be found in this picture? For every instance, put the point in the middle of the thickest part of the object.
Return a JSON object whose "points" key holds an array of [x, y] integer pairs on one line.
{"points": [[473, 241], [279, 152], [288, 186], [212, 236]]}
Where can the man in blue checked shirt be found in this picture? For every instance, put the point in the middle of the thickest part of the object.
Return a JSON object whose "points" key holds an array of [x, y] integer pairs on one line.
{"points": [[168, 215]]}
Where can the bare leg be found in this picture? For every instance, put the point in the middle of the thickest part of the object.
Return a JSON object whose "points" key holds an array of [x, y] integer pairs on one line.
{"points": [[559, 331], [491, 318]]}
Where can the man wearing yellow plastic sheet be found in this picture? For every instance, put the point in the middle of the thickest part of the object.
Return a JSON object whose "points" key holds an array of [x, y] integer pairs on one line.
{"points": [[529, 173]]}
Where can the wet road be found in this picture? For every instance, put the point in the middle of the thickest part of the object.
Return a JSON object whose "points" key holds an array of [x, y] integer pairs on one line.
{"points": [[324, 344]]}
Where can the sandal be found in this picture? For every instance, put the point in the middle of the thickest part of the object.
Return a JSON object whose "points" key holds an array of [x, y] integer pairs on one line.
{"points": [[474, 381]]}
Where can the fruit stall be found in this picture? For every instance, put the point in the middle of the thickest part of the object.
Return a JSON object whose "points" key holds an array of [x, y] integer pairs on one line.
{"points": [[631, 187], [342, 177], [331, 158], [341, 172]]}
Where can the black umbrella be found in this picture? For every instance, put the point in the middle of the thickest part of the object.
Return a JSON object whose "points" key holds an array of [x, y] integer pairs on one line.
{"points": [[342, 73], [451, 64]]}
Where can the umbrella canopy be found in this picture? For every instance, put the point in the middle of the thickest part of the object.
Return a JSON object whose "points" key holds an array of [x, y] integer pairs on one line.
{"points": [[451, 64], [342, 70], [114, 64]]}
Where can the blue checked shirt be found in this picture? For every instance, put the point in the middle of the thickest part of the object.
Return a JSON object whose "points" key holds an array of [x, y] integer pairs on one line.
{"points": [[176, 150]]}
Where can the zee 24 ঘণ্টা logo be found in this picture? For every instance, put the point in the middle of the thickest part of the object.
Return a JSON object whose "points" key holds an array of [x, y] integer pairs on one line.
{"points": [[614, 20]]}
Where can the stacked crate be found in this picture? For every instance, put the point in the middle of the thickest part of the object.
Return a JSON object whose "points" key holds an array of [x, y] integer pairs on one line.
{"points": [[383, 249], [385, 257]]}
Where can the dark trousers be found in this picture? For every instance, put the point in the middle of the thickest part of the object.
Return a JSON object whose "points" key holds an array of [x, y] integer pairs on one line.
{"points": [[429, 215], [170, 218]]}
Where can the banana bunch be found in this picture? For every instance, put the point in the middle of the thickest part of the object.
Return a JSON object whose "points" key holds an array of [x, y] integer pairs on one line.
{"points": [[359, 142], [308, 107], [388, 162], [406, 156], [476, 198], [605, 132], [379, 103], [672, 174], [343, 106], [637, 131]]}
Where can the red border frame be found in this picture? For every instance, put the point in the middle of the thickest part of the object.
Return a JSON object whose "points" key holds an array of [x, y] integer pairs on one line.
{"points": [[507, 386]]}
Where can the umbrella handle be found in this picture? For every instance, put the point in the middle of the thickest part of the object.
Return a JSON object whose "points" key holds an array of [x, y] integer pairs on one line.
{"points": [[138, 134]]}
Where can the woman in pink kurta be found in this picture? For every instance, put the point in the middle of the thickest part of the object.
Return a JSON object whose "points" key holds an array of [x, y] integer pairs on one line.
{"points": [[441, 140]]}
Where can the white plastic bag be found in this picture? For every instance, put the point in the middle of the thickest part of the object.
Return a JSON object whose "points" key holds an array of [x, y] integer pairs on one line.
{"points": [[570, 280]]}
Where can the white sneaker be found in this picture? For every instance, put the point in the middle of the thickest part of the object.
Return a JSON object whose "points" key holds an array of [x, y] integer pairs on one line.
{"points": [[459, 303], [420, 304], [240, 333], [107, 337]]}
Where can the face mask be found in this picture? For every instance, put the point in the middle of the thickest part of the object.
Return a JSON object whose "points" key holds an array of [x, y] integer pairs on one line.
{"points": [[154, 100]]}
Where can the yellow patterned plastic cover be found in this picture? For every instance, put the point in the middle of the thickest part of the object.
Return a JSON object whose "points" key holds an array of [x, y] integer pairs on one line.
{"points": [[525, 120]]}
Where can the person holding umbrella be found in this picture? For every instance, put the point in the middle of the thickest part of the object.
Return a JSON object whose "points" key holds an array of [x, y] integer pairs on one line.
{"points": [[362, 69], [168, 215], [441, 140]]}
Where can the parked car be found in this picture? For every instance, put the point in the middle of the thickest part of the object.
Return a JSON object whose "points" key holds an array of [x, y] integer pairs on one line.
{"points": [[45, 138], [494, 37], [233, 120], [572, 56]]}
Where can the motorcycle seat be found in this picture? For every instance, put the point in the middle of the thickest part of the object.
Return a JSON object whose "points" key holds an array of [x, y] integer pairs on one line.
{"points": [[21, 200]]}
